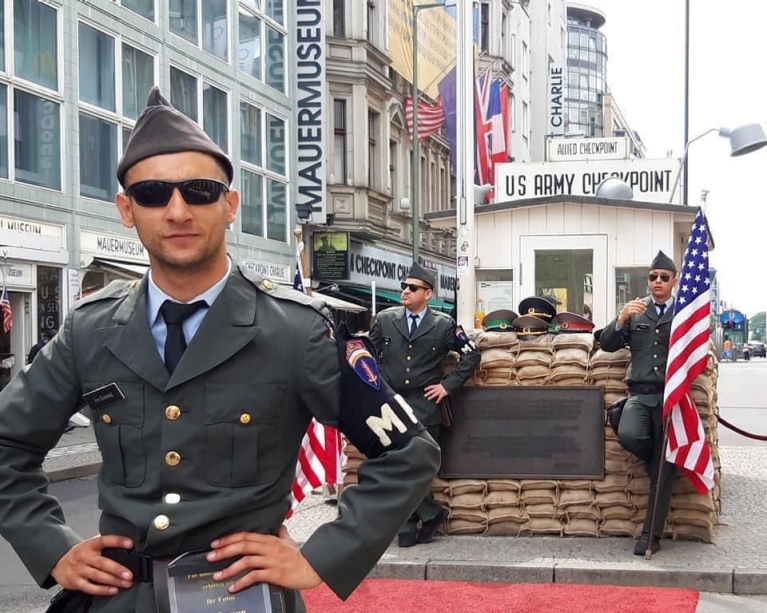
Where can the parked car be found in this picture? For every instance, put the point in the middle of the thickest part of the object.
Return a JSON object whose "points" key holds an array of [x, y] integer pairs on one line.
{"points": [[758, 350]]}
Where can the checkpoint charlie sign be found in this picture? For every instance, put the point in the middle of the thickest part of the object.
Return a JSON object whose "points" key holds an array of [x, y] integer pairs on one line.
{"points": [[650, 180], [577, 149]]}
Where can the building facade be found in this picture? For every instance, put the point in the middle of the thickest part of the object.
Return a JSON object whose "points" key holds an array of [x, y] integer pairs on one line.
{"points": [[74, 77]]}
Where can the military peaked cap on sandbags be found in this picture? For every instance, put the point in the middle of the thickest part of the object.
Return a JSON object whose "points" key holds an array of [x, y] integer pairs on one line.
{"points": [[567, 322], [501, 320], [663, 262], [538, 307], [422, 274], [162, 129], [530, 326]]}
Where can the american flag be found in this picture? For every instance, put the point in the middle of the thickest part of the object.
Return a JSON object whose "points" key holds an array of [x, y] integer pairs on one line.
{"points": [[687, 357], [319, 459], [5, 304], [430, 117]]}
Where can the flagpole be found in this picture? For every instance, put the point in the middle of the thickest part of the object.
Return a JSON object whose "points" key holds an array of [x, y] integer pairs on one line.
{"points": [[654, 514], [306, 280]]}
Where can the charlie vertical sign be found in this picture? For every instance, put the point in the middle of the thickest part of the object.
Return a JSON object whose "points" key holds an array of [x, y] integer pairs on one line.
{"points": [[556, 100], [310, 110]]}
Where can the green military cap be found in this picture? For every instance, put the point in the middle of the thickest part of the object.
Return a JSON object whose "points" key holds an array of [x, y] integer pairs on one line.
{"points": [[499, 321], [538, 307], [530, 326], [663, 262], [422, 274], [567, 322], [162, 129]]}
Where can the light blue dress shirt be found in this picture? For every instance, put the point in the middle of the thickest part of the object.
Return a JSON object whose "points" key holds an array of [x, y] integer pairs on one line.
{"points": [[155, 298], [419, 318]]}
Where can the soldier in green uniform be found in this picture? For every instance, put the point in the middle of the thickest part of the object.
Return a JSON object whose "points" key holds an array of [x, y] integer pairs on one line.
{"points": [[411, 342], [644, 326], [202, 379]]}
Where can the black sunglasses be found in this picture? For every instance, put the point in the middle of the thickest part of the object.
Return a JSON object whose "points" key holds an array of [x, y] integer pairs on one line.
{"points": [[664, 276], [413, 287], [194, 191]]}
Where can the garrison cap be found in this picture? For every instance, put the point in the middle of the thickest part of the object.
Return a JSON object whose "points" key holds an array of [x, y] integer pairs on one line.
{"points": [[530, 326], [567, 322], [663, 262], [422, 274], [501, 320], [538, 307], [162, 129]]}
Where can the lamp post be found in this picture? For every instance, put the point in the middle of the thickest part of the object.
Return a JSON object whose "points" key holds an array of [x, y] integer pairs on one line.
{"points": [[415, 163], [743, 140]]}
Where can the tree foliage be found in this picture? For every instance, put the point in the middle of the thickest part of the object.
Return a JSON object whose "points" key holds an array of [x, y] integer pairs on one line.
{"points": [[757, 326]]}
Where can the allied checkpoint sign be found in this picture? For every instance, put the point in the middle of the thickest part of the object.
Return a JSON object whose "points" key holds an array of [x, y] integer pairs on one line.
{"points": [[651, 180], [542, 432]]}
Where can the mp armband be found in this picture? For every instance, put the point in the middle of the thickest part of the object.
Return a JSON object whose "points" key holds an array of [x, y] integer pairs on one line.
{"points": [[373, 417]]}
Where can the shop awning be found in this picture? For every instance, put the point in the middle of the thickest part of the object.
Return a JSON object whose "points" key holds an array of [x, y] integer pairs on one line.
{"points": [[394, 297], [127, 269], [338, 304]]}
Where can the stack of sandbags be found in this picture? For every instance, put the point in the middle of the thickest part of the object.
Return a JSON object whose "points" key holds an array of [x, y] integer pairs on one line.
{"points": [[570, 364], [539, 498], [499, 353], [505, 515], [467, 507], [608, 370], [533, 363], [581, 517]]}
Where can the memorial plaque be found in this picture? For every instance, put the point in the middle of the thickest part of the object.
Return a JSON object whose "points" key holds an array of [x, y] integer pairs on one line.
{"points": [[330, 256], [525, 432]]}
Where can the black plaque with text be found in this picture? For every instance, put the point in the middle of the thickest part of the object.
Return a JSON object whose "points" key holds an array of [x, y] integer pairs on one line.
{"points": [[525, 432]]}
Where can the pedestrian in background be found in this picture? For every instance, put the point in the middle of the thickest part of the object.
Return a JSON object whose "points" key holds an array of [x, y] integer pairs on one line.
{"points": [[411, 341], [644, 326], [202, 379]]}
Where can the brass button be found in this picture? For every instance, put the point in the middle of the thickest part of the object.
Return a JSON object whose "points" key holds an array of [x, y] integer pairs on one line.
{"points": [[407, 381], [161, 522], [410, 346], [655, 342], [655, 355], [409, 358], [172, 498], [407, 370], [172, 412], [172, 458], [244, 419], [106, 418], [655, 368], [657, 331], [433, 348], [268, 284]]}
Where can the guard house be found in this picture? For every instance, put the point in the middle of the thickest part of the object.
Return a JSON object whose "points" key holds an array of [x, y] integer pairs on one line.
{"points": [[590, 254]]}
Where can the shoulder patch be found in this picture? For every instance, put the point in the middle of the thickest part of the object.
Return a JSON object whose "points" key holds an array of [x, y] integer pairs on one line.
{"points": [[116, 289]]}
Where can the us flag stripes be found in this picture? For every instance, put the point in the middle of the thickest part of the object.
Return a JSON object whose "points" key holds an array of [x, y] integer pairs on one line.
{"points": [[688, 354], [5, 305], [430, 117]]}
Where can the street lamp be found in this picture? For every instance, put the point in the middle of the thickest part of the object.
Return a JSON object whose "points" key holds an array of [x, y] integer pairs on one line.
{"points": [[743, 140], [415, 171]]}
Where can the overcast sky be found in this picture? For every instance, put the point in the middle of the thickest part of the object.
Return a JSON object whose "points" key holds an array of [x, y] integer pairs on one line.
{"points": [[728, 88]]}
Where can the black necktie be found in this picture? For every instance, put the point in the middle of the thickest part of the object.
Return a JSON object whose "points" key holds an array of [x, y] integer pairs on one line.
{"points": [[175, 314], [413, 325], [661, 308]]}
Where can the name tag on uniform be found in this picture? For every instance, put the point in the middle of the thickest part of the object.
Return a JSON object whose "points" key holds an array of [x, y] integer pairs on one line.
{"points": [[643, 326], [104, 396]]}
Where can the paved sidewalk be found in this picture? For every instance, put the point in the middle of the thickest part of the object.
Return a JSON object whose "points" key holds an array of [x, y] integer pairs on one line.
{"points": [[735, 564]]}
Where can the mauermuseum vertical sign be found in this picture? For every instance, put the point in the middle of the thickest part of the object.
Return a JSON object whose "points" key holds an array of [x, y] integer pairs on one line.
{"points": [[556, 100], [310, 110]]}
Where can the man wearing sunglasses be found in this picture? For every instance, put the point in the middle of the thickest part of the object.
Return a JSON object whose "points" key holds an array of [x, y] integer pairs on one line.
{"points": [[644, 326], [202, 379], [411, 342]]}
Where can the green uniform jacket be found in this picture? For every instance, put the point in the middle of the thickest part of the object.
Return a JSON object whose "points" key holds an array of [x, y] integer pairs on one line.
{"points": [[410, 364], [647, 337], [235, 410]]}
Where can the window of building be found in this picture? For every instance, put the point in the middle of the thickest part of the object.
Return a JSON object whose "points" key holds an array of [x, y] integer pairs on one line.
{"points": [[374, 122], [371, 14], [37, 140], [35, 42], [512, 113], [98, 157], [2, 36], [525, 120], [629, 284], [525, 59], [3, 131], [393, 164], [264, 205], [339, 140], [250, 134], [484, 26], [261, 47], [145, 8], [513, 51], [339, 18], [215, 115], [202, 20], [97, 67], [183, 92], [138, 78]]}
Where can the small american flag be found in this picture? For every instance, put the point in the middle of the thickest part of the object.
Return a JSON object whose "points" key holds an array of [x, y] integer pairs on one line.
{"points": [[319, 459], [5, 304], [687, 357], [430, 117]]}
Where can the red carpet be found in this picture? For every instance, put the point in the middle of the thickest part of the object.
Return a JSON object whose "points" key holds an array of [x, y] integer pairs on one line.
{"points": [[396, 596]]}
